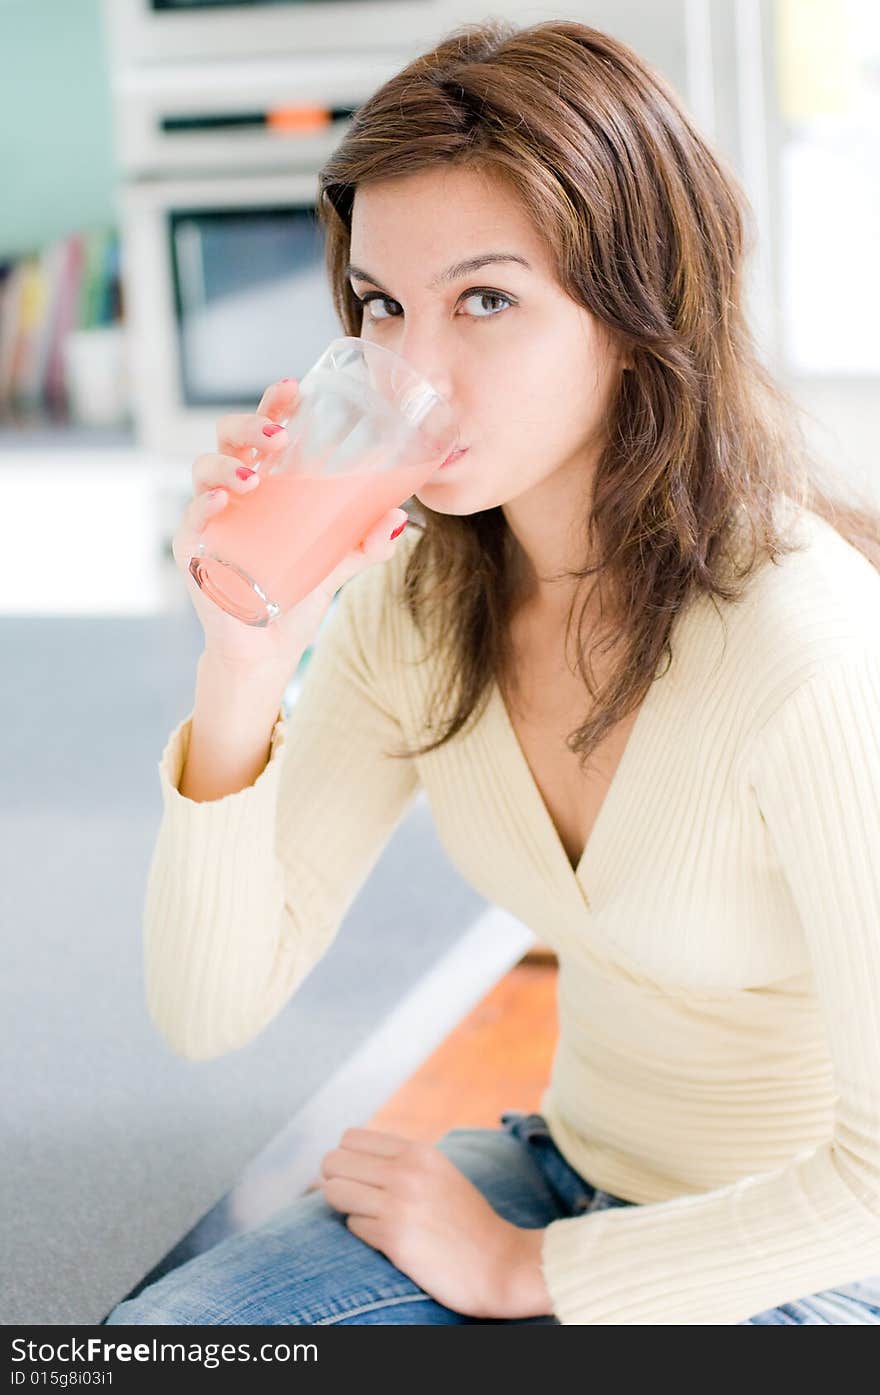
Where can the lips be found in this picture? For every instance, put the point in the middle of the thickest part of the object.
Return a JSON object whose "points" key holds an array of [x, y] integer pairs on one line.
{"points": [[455, 455]]}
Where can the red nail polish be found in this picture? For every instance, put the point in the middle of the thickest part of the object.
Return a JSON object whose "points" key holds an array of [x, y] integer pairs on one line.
{"points": [[397, 532], [272, 430], [244, 473]]}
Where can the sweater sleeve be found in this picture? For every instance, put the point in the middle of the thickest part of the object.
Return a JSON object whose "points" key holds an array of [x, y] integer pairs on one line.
{"points": [[246, 893], [723, 1256]]}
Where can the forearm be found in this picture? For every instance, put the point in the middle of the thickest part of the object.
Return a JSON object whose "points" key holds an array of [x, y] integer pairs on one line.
{"points": [[234, 714]]}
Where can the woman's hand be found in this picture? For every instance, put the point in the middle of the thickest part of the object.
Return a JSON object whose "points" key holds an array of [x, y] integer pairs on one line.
{"points": [[245, 441], [406, 1198]]}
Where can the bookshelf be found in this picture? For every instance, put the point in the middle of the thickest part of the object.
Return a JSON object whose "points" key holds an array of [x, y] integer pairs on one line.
{"points": [[50, 300]]}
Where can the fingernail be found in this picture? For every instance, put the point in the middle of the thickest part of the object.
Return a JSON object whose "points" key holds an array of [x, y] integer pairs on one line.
{"points": [[288, 380], [397, 532], [272, 430], [244, 473]]}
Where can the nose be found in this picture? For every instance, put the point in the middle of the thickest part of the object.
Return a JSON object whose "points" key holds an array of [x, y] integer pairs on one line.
{"points": [[422, 349]]}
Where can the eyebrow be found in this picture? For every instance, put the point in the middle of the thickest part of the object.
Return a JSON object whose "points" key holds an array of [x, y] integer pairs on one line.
{"points": [[452, 273]]}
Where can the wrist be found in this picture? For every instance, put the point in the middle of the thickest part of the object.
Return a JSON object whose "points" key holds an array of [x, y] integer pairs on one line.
{"points": [[243, 674], [524, 1288]]}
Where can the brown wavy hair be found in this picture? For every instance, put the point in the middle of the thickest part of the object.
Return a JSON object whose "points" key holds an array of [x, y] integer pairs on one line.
{"points": [[648, 231]]}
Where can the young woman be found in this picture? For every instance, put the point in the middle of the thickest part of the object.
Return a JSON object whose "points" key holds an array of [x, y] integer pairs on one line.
{"points": [[529, 217]]}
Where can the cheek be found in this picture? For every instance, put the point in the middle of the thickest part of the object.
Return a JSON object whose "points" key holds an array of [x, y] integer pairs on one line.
{"points": [[517, 390], [551, 406], [525, 418]]}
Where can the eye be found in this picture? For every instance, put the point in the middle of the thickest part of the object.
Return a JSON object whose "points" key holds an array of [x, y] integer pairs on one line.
{"points": [[372, 296], [487, 295], [482, 295]]}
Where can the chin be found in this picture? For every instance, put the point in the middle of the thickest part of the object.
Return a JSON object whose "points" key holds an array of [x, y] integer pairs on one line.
{"points": [[454, 491], [448, 501]]}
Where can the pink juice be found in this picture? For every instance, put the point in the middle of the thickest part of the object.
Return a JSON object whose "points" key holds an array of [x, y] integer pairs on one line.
{"points": [[294, 529]]}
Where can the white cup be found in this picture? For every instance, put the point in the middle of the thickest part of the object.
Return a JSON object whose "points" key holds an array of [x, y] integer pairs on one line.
{"points": [[96, 375]]}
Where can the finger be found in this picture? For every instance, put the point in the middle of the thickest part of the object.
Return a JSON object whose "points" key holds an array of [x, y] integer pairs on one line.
{"points": [[202, 509], [279, 399], [211, 470], [385, 1145], [355, 1198], [356, 1166], [372, 1232], [242, 433], [387, 530], [196, 518]]}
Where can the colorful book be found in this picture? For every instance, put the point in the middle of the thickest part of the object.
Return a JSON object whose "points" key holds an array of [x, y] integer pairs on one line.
{"points": [[74, 283]]}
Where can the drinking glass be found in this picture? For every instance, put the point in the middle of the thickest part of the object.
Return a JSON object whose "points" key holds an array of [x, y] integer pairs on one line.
{"points": [[367, 431]]}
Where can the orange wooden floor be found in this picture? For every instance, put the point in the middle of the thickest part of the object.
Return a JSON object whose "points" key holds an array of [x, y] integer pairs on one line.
{"points": [[497, 1058]]}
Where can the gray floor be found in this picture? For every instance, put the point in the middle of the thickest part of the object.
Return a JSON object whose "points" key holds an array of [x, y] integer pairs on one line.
{"points": [[112, 1148]]}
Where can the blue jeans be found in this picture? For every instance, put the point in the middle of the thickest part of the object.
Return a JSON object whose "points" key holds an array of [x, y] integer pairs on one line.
{"points": [[305, 1267]]}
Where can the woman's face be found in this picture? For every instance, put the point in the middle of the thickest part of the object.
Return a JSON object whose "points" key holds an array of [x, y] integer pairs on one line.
{"points": [[528, 371]]}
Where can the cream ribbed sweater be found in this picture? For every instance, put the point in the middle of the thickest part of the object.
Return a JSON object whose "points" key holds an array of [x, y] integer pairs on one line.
{"points": [[719, 943]]}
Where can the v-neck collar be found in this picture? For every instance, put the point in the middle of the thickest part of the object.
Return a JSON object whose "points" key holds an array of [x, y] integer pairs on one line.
{"points": [[617, 808]]}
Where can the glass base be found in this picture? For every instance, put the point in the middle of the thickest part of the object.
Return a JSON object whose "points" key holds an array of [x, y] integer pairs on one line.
{"points": [[231, 588]]}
